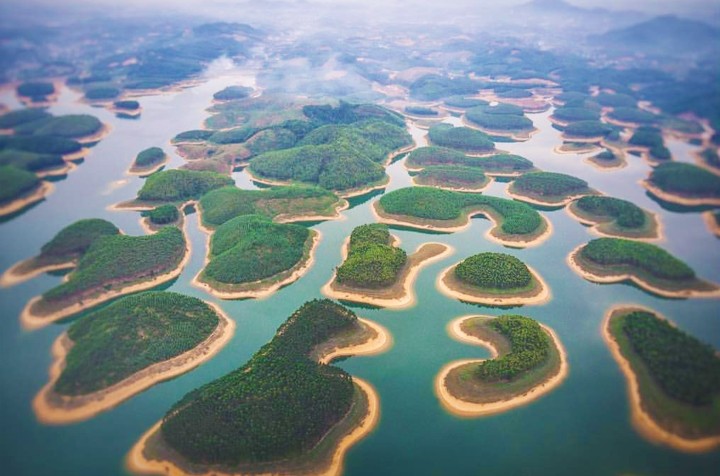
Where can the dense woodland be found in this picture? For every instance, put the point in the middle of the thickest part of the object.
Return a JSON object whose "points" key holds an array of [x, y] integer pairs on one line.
{"points": [[624, 213], [632, 115], [372, 261], [549, 184], [574, 114], [136, 331], [460, 138], [451, 176], [74, 240], [149, 157], [276, 406], [178, 185], [586, 129], [502, 117], [37, 91], [494, 271], [162, 215], [15, 182], [685, 179], [651, 137]]}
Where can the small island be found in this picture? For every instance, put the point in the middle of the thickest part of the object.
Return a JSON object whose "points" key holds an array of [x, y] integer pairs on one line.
{"points": [[505, 120], [608, 159], [20, 189], [37, 93], [673, 379], [286, 411], [378, 273], [498, 165], [515, 224], [614, 260], [585, 131], [250, 256], [148, 161], [161, 216], [453, 177], [463, 139], [684, 184], [650, 142], [608, 216], [111, 267], [97, 366], [62, 252], [528, 361], [712, 219], [175, 186], [126, 108], [548, 188], [495, 279]]}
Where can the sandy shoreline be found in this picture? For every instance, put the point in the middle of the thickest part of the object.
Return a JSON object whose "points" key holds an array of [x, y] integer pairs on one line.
{"points": [[403, 300], [600, 227], [380, 343], [467, 409], [680, 200], [39, 193], [539, 296], [83, 407], [708, 217], [534, 201], [32, 321], [337, 215], [641, 420], [11, 277], [618, 278], [488, 182], [144, 171]]}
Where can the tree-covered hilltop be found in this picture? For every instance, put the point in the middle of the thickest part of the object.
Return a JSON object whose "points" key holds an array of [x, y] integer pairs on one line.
{"points": [[452, 177], [460, 138], [643, 256], [37, 91], [574, 114], [30, 161], [15, 182], [464, 103], [37, 144], [112, 262], [162, 215], [421, 111], [616, 100], [74, 240], [498, 163], [651, 137], [632, 115], [148, 158], [127, 105], [432, 87], [549, 184], [372, 261], [196, 135], [70, 126], [494, 271], [625, 214], [501, 117], [587, 129], [436, 204], [279, 405], [251, 248], [178, 185], [529, 348], [223, 204], [686, 180], [13, 119], [129, 335], [232, 92]]}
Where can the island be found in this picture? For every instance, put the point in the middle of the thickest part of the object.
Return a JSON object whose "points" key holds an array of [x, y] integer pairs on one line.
{"points": [[494, 279], [684, 184], [586, 131], [62, 252], [378, 273], [631, 117], [148, 161], [175, 186], [609, 216], [98, 362], [528, 361], [232, 93], [614, 260], [286, 411], [712, 220], [498, 165], [515, 224], [37, 93], [505, 120], [112, 266], [250, 256], [126, 108], [161, 216], [608, 159], [673, 379], [453, 177], [20, 189], [650, 142], [563, 116], [548, 188], [463, 139]]}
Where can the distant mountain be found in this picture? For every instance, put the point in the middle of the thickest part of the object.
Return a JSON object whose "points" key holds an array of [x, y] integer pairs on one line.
{"points": [[562, 15], [665, 34]]}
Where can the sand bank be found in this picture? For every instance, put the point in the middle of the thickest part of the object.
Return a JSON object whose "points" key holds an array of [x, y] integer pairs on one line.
{"points": [[38, 193], [534, 201], [16, 274], [679, 199], [605, 226]]}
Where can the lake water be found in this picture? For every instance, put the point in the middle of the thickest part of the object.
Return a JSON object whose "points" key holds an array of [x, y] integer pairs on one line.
{"points": [[583, 427]]}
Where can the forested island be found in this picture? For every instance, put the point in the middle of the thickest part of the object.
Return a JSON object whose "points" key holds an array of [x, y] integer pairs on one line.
{"points": [[453, 177], [158, 217], [493, 165], [548, 188], [614, 217], [684, 184], [37, 93], [673, 379], [515, 224], [608, 159], [528, 361], [612, 260], [111, 266], [251, 256], [463, 139], [376, 271], [283, 412], [502, 120], [148, 161], [176, 186], [127, 108], [495, 279], [120, 350], [650, 140]]}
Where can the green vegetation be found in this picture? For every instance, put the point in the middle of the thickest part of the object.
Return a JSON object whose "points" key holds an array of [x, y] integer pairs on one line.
{"points": [[587, 129], [372, 261], [685, 179], [277, 406], [128, 105], [452, 176], [74, 240], [12, 119], [461, 138], [494, 271], [112, 262], [616, 100], [162, 215], [15, 182], [420, 111], [549, 184], [499, 163], [346, 113], [102, 92], [30, 161], [251, 247], [436, 204], [514, 94], [529, 348], [40, 144], [432, 87], [633, 115], [193, 136], [149, 158], [463, 102], [223, 204], [644, 256], [232, 136], [574, 114], [605, 155], [69, 126], [36, 90], [652, 138], [179, 185], [709, 156], [624, 213], [232, 92], [502, 117], [130, 335]]}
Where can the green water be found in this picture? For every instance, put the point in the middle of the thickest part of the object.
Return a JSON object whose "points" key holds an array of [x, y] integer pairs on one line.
{"points": [[582, 427]]}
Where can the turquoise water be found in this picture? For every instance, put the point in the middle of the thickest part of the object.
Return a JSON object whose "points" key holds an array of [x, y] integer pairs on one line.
{"points": [[583, 427]]}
